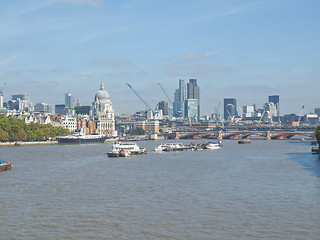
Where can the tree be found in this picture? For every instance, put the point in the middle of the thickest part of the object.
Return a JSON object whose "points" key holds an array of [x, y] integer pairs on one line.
{"points": [[13, 129], [4, 137], [318, 134], [137, 131]]}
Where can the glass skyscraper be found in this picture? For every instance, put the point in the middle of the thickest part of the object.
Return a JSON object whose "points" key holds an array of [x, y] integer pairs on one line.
{"points": [[187, 100], [275, 99], [69, 100], [230, 108]]}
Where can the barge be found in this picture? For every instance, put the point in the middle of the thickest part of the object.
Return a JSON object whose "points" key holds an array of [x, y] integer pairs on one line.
{"points": [[5, 165]]}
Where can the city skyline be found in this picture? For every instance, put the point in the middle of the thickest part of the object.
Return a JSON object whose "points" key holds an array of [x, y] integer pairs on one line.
{"points": [[246, 50]]}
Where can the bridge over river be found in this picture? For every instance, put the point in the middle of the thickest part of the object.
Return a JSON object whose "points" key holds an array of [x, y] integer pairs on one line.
{"points": [[236, 134]]}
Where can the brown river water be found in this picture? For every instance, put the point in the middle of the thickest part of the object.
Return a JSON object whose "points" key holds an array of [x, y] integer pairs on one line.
{"points": [[262, 190]]}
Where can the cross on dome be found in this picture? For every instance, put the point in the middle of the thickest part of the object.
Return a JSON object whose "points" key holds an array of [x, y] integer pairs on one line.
{"points": [[102, 85]]}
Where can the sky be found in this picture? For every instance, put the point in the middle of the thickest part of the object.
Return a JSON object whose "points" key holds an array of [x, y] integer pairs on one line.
{"points": [[243, 49]]}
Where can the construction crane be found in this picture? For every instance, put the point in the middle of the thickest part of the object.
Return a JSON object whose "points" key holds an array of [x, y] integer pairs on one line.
{"points": [[165, 94], [138, 96], [264, 111], [1, 94], [231, 117]]}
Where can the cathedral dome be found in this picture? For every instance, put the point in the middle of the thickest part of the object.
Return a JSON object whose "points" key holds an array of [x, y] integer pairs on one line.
{"points": [[102, 94]]}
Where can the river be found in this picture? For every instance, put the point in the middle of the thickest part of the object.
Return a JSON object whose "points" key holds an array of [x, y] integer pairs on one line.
{"points": [[262, 190]]}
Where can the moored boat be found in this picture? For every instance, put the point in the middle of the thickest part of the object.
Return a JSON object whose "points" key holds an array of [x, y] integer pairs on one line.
{"points": [[213, 145], [244, 141], [5, 165], [315, 150], [168, 147], [125, 149], [113, 154], [124, 153], [76, 139]]}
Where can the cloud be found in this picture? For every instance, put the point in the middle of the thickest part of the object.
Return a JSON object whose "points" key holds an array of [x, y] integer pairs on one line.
{"points": [[7, 60], [298, 84], [114, 63], [95, 3], [233, 11], [193, 57], [196, 70]]}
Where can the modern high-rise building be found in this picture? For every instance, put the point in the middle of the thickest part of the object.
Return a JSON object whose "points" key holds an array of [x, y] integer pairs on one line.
{"points": [[187, 100], [230, 108], [69, 100], [192, 108], [275, 99], [22, 96], [163, 105], [192, 89], [317, 111], [180, 96], [248, 111], [42, 108], [60, 109], [192, 103]]}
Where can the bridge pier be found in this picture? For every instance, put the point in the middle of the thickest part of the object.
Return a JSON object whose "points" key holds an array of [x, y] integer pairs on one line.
{"points": [[268, 135], [219, 138]]}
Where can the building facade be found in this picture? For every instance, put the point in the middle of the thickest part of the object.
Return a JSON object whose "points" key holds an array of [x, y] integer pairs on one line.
{"points": [[180, 95], [60, 109], [69, 100], [103, 113], [230, 108], [275, 100], [163, 105], [187, 100], [42, 108]]}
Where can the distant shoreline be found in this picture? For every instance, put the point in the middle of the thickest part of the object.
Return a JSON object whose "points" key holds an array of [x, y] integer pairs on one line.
{"points": [[20, 143]]}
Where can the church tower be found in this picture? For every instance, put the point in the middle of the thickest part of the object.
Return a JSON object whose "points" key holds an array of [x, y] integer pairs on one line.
{"points": [[103, 112]]}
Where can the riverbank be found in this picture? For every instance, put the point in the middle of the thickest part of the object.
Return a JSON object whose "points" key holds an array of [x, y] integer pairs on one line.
{"points": [[20, 143]]}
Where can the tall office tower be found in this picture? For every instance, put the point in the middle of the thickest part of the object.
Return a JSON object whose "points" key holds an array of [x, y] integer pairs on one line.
{"points": [[275, 99], [22, 97], [163, 105], [192, 89], [180, 96], [317, 111], [69, 100], [230, 108], [192, 105]]}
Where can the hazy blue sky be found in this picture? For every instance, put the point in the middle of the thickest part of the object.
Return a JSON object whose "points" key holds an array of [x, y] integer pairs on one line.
{"points": [[246, 49]]}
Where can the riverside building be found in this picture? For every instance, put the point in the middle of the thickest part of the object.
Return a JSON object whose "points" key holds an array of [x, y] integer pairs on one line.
{"points": [[103, 113], [230, 108]]}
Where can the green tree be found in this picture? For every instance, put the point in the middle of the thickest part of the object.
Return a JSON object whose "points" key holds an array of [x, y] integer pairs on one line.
{"points": [[318, 134], [16, 133], [13, 129], [137, 131], [4, 137]]}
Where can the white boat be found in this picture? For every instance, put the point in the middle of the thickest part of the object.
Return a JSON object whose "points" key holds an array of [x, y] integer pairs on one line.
{"points": [[213, 145], [125, 149], [170, 147], [125, 153]]}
